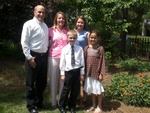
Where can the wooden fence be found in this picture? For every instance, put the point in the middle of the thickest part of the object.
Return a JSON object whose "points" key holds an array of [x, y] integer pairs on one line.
{"points": [[138, 47]]}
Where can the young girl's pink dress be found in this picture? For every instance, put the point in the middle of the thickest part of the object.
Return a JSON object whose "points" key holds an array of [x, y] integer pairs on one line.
{"points": [[95, 65]]}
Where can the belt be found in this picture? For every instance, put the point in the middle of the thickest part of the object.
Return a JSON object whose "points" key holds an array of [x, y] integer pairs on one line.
{"points": [[37, 54], [75, 69]]}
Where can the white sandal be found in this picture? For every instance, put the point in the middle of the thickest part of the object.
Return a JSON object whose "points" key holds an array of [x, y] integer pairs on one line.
{"points": [[90, 109], [97, 110]]}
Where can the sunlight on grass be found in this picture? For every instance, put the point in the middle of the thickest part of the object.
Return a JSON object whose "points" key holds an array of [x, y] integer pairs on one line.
{"points": [[14, 101]]}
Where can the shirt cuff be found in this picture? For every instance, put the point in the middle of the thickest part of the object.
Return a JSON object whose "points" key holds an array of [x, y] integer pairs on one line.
{"points": [[28, 57], [62, 73], [82, 71]]}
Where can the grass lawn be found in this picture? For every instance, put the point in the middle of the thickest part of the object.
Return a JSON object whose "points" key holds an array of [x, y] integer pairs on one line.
{"points": [[13, 101], [12, 89], [12, 93]]}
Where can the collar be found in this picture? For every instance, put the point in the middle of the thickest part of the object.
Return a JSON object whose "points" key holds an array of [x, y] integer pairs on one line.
{"points": [[73, 45], [39, 22]]}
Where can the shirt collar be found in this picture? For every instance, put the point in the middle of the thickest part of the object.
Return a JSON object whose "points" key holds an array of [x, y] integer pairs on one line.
{"points": [[73, 45], [39, 22]]}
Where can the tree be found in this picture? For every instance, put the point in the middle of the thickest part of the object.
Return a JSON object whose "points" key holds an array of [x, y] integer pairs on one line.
{"points": [[13, 14], [112, 15], [121, 16]]}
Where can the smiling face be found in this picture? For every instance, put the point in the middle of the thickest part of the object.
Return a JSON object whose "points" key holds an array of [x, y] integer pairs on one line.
{"points": [[93, 39], [72, 36], [39, 12], [60, 20], [80, 24]]}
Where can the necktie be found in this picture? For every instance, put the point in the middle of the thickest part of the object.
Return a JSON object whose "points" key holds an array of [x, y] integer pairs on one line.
{"points": [[72, 56]]}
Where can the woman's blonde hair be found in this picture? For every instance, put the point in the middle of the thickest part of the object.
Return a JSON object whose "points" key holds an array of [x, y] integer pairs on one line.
{"points": [[55, 20]]}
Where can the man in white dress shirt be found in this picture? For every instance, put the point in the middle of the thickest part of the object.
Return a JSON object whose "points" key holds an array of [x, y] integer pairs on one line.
{"points": [[34, 41], [72, 70]]}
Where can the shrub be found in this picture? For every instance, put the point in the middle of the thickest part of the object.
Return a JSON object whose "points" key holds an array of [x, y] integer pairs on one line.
{"points": [[131, 89], [11, 50], [135, 65]]}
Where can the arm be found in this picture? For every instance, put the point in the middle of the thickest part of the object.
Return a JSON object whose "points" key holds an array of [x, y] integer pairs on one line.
{"points": [[25, 39], [102, 61], [87, 38], [82, 64], [62, 65]]}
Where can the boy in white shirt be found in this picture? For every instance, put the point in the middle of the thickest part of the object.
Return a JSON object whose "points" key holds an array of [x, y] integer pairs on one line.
{"points": [[72, 71]]}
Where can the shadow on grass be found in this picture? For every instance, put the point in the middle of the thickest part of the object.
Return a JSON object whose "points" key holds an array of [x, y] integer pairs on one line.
{"points": [[109, 104]]}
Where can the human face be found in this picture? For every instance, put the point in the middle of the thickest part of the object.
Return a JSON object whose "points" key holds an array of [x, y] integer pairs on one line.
{"points": [[60, 21], [80, 24], [93, 38], [72, 39], [39, 13]]}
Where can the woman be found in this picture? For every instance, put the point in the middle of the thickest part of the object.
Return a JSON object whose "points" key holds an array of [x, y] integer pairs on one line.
{"points": [[57, 40]]}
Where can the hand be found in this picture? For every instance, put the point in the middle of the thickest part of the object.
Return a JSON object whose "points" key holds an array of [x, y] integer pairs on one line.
{"points": [[32, 62], [82, 77], [100, 77], [63, 78]]}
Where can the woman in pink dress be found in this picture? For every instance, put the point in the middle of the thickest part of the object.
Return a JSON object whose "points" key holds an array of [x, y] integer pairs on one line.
{"points": [[57, 40]]}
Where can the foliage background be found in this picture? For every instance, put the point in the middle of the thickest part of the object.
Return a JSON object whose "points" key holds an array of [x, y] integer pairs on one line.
{"points": [[105, 15]]}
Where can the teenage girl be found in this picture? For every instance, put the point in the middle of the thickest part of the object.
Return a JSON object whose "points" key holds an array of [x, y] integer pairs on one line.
{"points": [[82, 31], [95, 70], [82, 40]]}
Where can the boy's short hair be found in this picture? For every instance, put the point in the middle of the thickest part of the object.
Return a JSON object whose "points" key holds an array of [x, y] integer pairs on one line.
{"points": [[72, 32]]}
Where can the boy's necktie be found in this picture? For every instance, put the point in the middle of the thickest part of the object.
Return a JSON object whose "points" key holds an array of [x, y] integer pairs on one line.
{"points": [[72, 56]]}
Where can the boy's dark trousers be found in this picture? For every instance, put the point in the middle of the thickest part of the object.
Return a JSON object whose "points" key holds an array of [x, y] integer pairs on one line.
{"points": [[71, 88]]}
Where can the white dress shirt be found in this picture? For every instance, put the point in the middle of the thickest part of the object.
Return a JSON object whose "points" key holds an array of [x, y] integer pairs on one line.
{"points": [[65, 59], [34, 37]]}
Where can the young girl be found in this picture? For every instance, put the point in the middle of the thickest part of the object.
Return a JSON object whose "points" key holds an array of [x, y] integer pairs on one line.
{"points": [[95, 70]]}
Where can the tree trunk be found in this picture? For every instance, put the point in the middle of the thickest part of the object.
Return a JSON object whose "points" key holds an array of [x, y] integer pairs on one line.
{"points": [[123, 42], [123, 33]]}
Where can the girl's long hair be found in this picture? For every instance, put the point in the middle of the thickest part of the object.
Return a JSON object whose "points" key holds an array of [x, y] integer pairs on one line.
{"points": [[86, 27]]}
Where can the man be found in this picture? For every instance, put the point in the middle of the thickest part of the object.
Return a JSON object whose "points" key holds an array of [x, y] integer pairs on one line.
{"points": [[34, 41]]}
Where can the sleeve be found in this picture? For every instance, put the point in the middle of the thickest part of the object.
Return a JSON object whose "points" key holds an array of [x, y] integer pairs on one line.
{"points": [[62, 62], [82, 70], [50, 36], [102, 61], [25, 38]]}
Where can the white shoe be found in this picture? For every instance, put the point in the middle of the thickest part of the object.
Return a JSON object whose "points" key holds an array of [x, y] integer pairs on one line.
{"points": [[97, 110]]}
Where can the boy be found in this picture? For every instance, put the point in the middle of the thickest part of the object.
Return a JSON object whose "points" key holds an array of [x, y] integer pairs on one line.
{"points": [[72, 70]]}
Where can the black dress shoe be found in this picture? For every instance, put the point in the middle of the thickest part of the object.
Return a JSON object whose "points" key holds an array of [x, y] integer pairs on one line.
{"points": [[73, 110], [41, 106], [62, 111], [33, 111]]}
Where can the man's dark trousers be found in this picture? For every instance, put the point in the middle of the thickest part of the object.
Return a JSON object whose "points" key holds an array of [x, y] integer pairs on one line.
{"points": [[36, 80]]}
